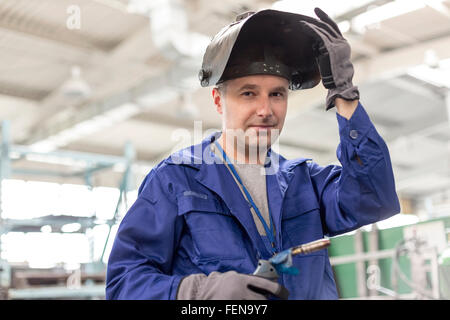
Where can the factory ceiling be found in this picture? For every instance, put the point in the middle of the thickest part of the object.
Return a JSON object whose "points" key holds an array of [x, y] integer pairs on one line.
{"points": [[90, 76]]}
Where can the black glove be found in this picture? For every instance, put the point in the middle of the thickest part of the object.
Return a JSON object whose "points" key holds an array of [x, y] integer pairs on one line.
{"points": [[333, 57], [228, 286]]}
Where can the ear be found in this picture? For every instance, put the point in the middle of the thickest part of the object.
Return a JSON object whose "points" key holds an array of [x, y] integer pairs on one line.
{"points": [[218, 100]]}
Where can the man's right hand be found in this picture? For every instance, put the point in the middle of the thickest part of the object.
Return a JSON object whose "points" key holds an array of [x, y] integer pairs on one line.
{"points": [[228, 286]]}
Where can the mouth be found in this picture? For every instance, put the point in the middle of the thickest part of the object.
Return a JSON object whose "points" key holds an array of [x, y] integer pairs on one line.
{"points": [[261, 127]]}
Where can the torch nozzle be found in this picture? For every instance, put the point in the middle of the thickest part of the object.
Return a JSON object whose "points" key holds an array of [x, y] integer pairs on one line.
{"points": [[311, 246]]}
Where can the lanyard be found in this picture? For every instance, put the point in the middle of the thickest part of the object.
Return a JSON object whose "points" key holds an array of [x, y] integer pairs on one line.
{"points": [[269, 229]]}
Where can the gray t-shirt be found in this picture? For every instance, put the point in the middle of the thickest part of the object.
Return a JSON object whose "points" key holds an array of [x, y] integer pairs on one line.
{"points": [[254, 179]]}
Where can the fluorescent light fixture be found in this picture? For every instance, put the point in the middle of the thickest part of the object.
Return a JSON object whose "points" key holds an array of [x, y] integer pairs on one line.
{"points": [[139, 6], [115, 4], [43, 146], [374, 16], [125, 111], [431, 59], [344, 26], [87, 127], [155, 98], [437, 76], [169, 24], [306, 7]]}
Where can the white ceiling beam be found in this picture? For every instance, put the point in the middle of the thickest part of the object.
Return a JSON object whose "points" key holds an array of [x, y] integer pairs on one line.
{"points": [[359, 46], [361, 9], [131, 54], [379, 67], [389, 64], [137, 49], [412, 177], [55, 33], [439, 7], [415, 88]]}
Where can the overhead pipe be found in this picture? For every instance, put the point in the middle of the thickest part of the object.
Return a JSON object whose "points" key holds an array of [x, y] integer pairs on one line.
{"points": [[171, 34]]}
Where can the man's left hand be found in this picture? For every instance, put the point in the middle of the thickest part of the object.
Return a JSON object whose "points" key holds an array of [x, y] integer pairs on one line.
{"points": [[333, 56]]}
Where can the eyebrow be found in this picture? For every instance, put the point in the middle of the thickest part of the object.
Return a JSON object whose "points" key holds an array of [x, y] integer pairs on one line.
{"points": [[283, 89], [254, 87], [248, 87]]}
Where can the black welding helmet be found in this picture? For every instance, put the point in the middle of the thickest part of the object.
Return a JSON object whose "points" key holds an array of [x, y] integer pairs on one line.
{"points": [[266, 42]]}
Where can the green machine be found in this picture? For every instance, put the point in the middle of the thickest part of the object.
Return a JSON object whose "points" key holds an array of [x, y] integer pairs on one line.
{"points": [[407, 262]]}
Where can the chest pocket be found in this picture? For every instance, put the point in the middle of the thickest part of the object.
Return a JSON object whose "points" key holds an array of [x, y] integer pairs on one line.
{"points": [[215, 233], [301, 221]]}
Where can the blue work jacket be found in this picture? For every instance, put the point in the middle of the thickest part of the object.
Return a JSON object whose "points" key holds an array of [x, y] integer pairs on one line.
{"points": [[191, 217]]}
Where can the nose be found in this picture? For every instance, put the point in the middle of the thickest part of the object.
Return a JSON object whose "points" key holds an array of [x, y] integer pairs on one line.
{"points": [[264, 107]]}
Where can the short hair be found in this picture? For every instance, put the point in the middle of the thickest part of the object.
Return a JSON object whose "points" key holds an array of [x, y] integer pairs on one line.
{"points": [[221, 87]]}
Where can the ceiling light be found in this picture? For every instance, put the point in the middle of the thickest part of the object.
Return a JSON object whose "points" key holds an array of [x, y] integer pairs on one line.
{"points": [[344, 26], [76, 87], [437, 76], [375, 15], [306, 7], [139, 6], [431, 59]]}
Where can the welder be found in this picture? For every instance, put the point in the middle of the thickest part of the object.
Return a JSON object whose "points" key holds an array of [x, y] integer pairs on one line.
{"points": [[207, 214]]}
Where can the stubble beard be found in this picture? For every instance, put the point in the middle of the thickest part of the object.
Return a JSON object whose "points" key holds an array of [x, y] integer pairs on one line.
{"points": [[252, 143]]}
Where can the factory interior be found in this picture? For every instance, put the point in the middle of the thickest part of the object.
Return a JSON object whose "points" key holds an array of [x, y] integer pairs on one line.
{"points": [[95, 93]]}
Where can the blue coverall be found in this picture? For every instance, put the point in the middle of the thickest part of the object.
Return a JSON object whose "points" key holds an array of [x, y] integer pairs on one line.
{"points": [[192, 218]]}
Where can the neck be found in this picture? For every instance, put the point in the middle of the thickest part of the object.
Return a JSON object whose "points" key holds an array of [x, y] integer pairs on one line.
{"points": [[240, 152]]}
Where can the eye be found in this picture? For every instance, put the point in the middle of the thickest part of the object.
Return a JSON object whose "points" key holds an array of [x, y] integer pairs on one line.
{"points": [[247, 93], [277, 94]]}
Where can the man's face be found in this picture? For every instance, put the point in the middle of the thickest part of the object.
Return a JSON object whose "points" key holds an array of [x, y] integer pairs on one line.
{"points": [[254, 105]]}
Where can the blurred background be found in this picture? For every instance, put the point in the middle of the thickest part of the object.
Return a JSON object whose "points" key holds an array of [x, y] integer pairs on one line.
{"points": [[94, 93]]}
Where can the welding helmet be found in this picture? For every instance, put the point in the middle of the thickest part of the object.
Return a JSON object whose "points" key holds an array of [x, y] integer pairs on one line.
{"points": [[264, 42]]}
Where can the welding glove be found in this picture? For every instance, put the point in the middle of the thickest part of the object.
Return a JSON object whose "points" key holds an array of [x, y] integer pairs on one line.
{"points": [[333, 57], [228, 286]]}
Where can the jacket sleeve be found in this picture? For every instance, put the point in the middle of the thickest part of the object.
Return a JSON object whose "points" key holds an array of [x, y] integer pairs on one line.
{"points": [[139, 265], [362, 191]]}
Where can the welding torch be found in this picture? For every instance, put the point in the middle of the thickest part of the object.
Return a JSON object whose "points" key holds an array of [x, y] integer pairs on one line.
{"points": [[282, 261]]}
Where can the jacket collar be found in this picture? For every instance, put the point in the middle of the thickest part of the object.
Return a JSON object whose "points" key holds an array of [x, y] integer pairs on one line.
{"points": [[216, 177], [201, 156]]}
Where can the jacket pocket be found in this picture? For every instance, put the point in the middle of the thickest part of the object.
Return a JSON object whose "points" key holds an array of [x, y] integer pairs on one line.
{"points": [[298, 205], [215, 232], [301, 222]]}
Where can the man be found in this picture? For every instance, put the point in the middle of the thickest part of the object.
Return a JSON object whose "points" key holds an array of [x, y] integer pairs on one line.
{"points": [[199, 227]]}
